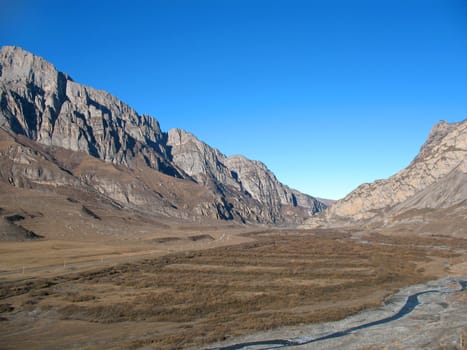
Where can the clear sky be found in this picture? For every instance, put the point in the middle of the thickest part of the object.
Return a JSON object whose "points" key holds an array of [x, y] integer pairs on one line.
{"points": [[328, 93]]}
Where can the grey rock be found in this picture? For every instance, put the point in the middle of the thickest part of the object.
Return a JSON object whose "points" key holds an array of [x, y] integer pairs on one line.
{"points": [[49, 107], [434, 179], [261, 183], [237, 174], [197, 159], [46, 107]]}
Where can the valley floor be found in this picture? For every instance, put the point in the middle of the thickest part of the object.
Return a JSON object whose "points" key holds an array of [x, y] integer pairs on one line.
{"points": [[436, 321], [218, 287]]}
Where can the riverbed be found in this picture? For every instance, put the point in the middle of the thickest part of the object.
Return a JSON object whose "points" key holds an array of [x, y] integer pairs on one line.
{"points": [[428, 316]]}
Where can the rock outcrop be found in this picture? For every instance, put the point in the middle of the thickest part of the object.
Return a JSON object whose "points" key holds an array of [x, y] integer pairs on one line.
{"points": [[47, 106], [434, 179], [10, 231], [237, 173], [43, 112]]}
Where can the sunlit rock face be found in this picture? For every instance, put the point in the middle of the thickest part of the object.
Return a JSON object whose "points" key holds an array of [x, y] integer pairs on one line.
{"points": [[47, 107], [435, 179]]}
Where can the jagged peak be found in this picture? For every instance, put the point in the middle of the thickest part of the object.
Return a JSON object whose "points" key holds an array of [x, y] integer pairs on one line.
{"points": [[243, 159], [11, 50], [442, 128], [19, 64], [19, 54], [444, 150], [439, 134], [182, 135], [177, 136], [42, 104]]}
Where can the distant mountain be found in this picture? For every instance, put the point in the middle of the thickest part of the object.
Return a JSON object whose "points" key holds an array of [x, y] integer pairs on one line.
{"points": [[238, 174], [435, 180], [58, 135]]}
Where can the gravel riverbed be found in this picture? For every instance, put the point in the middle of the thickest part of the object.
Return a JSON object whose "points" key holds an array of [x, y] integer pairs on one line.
{"points": [[437, 322]]}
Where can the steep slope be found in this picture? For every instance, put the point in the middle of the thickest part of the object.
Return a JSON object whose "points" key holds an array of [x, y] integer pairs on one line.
{"points": [[47, 106], [434, 179], [258, 181], [60, 135], [9, 231], [25, 164], [448, 191], [237, 173]]}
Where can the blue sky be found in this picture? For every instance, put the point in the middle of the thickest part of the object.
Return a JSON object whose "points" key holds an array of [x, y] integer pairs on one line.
{"points": [[328, 93]]}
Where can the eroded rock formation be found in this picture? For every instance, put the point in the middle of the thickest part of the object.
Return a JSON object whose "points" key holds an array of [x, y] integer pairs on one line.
{"points": [[435, 179], [43, 111]]}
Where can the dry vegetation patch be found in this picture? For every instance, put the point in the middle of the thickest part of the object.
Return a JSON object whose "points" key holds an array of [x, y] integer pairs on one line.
{"points": [[208, 295]]}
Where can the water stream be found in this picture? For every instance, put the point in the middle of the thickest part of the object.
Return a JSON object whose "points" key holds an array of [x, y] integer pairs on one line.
{"points": [[411, 303]]}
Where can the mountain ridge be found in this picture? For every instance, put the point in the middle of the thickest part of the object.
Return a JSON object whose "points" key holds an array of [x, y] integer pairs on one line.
{"points": [[48, 107], [435, 179], [251, 177]]}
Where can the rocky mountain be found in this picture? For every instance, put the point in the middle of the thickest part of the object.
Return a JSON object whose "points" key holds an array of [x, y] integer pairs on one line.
{"points": [[58, 135], [252, 178], [435, 179], [47, 106]]}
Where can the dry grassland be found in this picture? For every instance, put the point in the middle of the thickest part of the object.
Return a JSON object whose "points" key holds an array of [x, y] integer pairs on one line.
{"points": [[191, 298]]}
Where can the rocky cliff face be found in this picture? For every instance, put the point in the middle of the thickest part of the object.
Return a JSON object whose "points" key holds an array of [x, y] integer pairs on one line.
{"points": [[139, 162], [49, 107], [258, 181], [252, 178], [197, 159], [434, 179]]}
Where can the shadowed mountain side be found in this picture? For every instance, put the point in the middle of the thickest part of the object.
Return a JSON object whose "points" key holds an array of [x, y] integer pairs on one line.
{"points": [[10, 231], [26, 164]]}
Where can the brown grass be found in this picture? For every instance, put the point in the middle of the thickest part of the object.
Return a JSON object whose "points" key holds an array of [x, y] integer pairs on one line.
{"points": [[204, 296]]}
